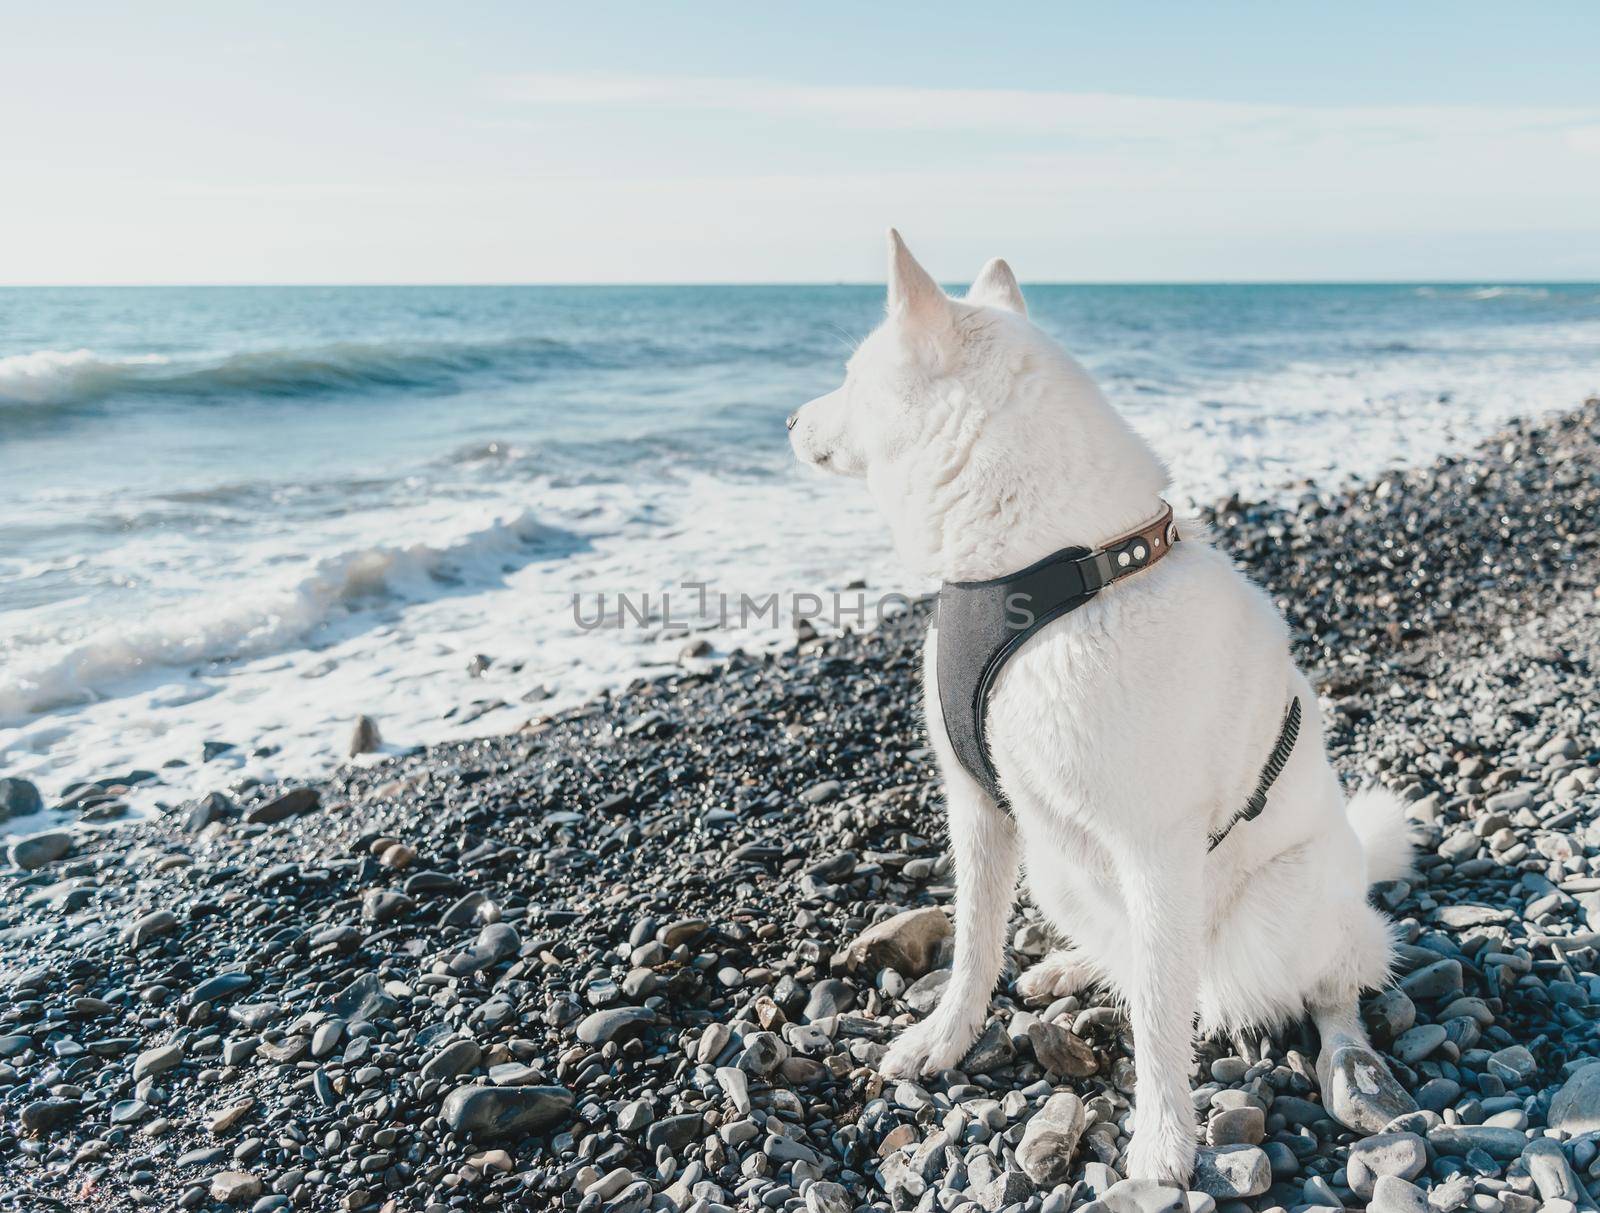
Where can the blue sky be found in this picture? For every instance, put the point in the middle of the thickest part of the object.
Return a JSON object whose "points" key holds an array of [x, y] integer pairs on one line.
{"points": [[499, 142]]}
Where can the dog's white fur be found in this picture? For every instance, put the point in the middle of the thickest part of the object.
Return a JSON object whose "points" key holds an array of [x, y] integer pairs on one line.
{"points": [[1123, 733]]}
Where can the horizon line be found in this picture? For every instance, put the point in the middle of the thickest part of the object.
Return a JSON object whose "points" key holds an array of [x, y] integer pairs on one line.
{"points": [[754, 284]]}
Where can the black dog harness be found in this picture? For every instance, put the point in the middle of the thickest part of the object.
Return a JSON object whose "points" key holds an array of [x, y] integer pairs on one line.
{"points": [[982, 624]]}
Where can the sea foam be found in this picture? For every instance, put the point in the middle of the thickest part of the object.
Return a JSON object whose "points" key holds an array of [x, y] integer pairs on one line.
{"points": [[254, 621]]}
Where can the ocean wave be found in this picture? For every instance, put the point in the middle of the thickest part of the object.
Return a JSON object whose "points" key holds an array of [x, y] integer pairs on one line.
{"points": [[250, 622], [1483, 292], [68, 377]]}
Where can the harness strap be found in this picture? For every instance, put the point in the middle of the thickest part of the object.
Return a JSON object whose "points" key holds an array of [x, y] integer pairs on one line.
{"points": [[982, 624], [1288, 734]]}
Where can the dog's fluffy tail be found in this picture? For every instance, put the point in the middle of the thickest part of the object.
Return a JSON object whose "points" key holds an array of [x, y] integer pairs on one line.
{"points": [[1379, 820]]}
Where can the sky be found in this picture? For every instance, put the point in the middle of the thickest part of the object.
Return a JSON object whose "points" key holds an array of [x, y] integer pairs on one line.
{"points": [[720, 142]]}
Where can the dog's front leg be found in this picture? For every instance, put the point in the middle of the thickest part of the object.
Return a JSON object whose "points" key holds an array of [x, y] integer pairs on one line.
{"points": [[983, 838], [1163, 896]]}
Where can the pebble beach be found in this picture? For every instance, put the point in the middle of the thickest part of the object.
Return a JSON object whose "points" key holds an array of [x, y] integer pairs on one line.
{"points": [[647, 953]]}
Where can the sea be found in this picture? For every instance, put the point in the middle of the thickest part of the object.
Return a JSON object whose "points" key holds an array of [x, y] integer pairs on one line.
{"points": [[233, 520]]}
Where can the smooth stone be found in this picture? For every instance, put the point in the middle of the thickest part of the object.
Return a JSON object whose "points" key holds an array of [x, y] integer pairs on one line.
{"points": [[1419, 1042], [1547, 1165], [514, 1074], [1360, 1092], [281, 808], [1244, 1126], [925, 992], [385, 905], [1441, 979], [1513, 1065], [684, 930], [1437, 1094], [157, 1060], [19, 798], [829, 997], [992, 1050], [492, 1112], [36, 850], [230, 1187], [149, 926], [613, 1024], [229, 1117], [44, 1114], [635, 1117], [908, 943], [1139, 1196], [763, 1053], [1389, 1015], [674, 1132], [1391, 1194], [497, 941], [1401, 1154], [1005, 1189], [327, 1036], [364, 999], [223, 985], [1576, 1106], [129, 1111], [469, 908], [712, 1042], [455, 1058], [825, 1197], [1050, 1139], [1231, 1172], [364, 738], [1060, 1051], [1457, 1141]]}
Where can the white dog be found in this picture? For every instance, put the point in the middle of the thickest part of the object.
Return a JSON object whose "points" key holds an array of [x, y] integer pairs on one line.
{"points": [[1123, 734]]}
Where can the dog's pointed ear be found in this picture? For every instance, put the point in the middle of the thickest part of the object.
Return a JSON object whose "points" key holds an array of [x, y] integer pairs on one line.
{"points": [[996, 286], [914, 297]]}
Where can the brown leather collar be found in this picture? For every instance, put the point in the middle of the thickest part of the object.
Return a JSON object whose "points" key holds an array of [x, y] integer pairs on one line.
{"points": [[1138, 549]]}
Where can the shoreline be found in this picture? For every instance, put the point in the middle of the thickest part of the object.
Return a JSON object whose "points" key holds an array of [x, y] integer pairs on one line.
{"points": [[161, 609], [629, 929], [214, 757]]}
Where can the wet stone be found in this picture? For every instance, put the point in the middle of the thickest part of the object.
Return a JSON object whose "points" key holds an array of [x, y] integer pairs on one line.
{"points": [[457, 1057], [613, 1024], [364, 999], [492, 1112], [220, 987]]}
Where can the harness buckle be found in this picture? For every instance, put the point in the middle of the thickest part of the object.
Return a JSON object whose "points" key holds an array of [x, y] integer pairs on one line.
{"points": [[1099, 571]]}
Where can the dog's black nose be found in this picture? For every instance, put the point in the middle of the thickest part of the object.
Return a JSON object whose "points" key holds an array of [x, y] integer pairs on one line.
{"points": [[793, 417]]}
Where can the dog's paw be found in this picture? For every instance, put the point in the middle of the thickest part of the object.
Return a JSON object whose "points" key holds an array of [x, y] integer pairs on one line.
{"points": [[1056, 976], [934, 1044], [1163, 1154]]}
